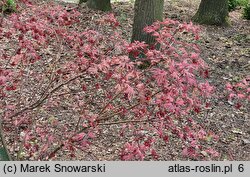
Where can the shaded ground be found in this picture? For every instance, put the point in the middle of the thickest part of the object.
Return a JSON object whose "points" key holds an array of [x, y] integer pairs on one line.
{"points": [[226, 50]]}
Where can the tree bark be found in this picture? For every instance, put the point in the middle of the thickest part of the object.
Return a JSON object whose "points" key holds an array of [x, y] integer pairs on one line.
{"points": [[82, 1], [103, 5], [212, 12], [146, 12]]}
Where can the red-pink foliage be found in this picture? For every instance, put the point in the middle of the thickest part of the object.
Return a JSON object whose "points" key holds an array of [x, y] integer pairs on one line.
{"points": [[60, 86], [239, 92]]}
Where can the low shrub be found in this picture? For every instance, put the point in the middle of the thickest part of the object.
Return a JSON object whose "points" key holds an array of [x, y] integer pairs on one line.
{"points": [[246, 12], [61, 88], [8, 6], [232, 4]]}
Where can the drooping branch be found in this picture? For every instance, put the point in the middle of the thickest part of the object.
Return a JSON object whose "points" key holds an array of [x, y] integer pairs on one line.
{"points": [[46, 96], [97, 121]]}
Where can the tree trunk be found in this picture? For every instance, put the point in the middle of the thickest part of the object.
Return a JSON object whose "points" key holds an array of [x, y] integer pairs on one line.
{"points": [[103, 5], [82, 1], [146, 12], [212, 12]]}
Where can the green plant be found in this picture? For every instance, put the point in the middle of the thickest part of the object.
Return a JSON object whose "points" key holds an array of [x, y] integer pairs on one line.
{"points": [[246, 12], [8, 6], [4, 154], [243, 2], [232, 4]]}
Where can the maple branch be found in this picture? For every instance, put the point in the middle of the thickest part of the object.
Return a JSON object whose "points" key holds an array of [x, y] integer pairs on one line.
{"points": [[43, 98], [118, 112], [124, 122], [103, 109], [97, 121], [129, 108]]}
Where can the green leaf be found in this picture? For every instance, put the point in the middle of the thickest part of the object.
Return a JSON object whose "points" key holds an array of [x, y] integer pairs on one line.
{"points": [[3, 155], [11, 3], [9, 6]]}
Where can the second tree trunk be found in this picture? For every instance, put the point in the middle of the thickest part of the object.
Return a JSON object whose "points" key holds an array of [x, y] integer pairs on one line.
{"points": [[146, 12], [212, 12], [103, 5]]}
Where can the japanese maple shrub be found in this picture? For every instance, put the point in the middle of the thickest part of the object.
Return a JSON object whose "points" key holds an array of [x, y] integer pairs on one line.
{"points": [[60, 86]]}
